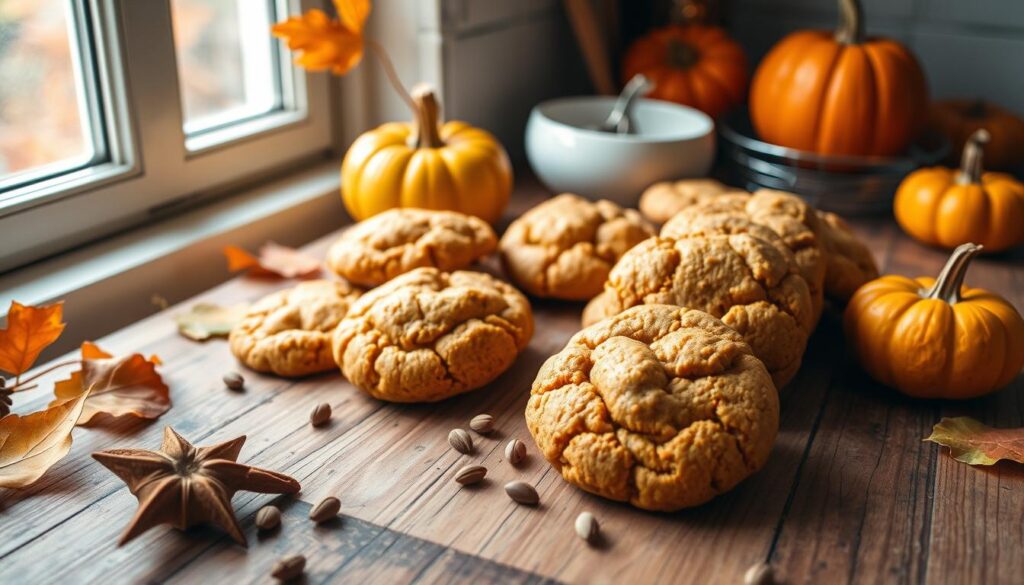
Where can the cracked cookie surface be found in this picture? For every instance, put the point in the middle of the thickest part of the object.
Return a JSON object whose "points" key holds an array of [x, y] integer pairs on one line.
{"points": [[398, 240], [564, 247], [750, 284], [793, 222], [850, 263], [660, 406], [660, 201], [288, 332], [427, 335]]}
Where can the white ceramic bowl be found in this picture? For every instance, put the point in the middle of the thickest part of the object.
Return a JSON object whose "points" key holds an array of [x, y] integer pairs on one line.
{"points": [[673, 142]]}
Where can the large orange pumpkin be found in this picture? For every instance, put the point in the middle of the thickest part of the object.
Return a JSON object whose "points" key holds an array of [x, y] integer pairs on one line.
{"points": [[958, 119], [839, 93], [936, 338], [948, 207], [693, 65]]}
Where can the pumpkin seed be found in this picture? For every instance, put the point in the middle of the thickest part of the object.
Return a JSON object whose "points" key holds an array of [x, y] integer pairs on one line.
{"points": [[320, 415], [587, 526], [470, 474], [522, 493], [460, 441], [234, 381], [482, 423], [288, 568], [515, 451], [268, 518], [327, 509]]}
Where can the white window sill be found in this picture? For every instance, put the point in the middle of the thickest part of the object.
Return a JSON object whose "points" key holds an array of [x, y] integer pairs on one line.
{"points": [[112, 283]]}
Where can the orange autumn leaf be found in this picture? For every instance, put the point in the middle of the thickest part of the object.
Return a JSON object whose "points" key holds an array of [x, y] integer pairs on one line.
{"points": [[972, 442], [32, 444], [324, 42], [274, 260], [129, 385], [29, 331]]}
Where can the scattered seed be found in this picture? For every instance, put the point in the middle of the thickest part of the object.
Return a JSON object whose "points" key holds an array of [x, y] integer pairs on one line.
{"points": [[470, 474], [320, 415], [515, 451], [234, 381], [288, 568], [460, 441], [587, 526], [482, 423], [522, 493], [759, 574], [268, 518], [327, 509]]}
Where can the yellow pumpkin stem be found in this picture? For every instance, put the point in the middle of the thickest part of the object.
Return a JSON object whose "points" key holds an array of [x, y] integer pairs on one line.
{"points": [[851, 23], [427, 125], [951, 279], [970, 165]]}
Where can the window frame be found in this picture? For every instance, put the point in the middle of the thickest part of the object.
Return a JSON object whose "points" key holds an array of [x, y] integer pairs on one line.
{"points": [[151, 168]]}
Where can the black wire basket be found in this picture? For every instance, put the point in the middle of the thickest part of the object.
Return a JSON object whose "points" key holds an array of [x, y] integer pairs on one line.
{"points": [[850, 185]]}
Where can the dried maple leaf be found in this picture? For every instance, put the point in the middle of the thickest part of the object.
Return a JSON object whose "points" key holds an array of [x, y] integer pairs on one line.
{"points": [[128, 385], [274, 260], [206, 320], [326, 43], [975, 443], [29, 331], [31, 444]]}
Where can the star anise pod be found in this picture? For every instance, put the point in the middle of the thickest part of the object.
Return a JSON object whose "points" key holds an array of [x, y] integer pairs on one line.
{"points": [[182, 485]]}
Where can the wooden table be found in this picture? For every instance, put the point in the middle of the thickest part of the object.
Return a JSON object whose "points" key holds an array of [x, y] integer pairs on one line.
{"points": [[850, 493]]}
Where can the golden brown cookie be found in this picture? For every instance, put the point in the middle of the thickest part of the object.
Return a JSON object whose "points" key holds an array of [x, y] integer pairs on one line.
{"points": [[396, 241], [660, 406], [288, 332], [564, 247], [427, 335], [793, 223], [749, 283], [661, 201], [850, 263]]}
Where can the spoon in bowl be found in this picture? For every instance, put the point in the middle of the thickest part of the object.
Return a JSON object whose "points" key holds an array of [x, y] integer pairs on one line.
{"points": [[619, 121]]}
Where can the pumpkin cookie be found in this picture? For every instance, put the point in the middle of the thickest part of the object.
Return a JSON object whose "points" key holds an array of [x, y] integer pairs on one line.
{"points": [[427, 335], [661, 201], [793, 223], [850, 263], [399, 240], [288, 332], [749, 283], [564, 247], [660, 406]]}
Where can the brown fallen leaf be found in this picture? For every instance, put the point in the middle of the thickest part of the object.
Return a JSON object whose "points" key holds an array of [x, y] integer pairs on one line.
{"points": [[29, 331], [274, 260], [128, 385], [32, 444], [976, 443], [206, 320]]}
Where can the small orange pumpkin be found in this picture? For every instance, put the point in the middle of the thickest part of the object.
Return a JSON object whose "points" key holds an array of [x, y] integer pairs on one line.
{"points": [[947, 207], [694, 65], [936, 338], [959, 119], [841, 93]]}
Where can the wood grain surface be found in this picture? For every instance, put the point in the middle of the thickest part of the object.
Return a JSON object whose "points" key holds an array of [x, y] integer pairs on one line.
{"points": [[850, 494]]}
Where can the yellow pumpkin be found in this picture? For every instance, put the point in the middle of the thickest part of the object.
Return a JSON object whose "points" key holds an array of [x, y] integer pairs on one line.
{"points": [[935, 338], [948, 207], [426, 164]]}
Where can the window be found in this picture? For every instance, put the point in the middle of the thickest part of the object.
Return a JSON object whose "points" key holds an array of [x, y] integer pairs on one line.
{"points": [[116, 111]]}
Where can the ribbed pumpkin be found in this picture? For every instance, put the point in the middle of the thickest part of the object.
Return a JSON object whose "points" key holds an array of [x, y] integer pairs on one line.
{"points": [[948, 207], [958, 119], [694, 65], [839, 93], [936, 338], [426, 164]]}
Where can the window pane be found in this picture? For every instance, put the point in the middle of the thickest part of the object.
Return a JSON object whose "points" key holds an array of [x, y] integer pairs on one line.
{"points": [[227, 61], [45, 126]]}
